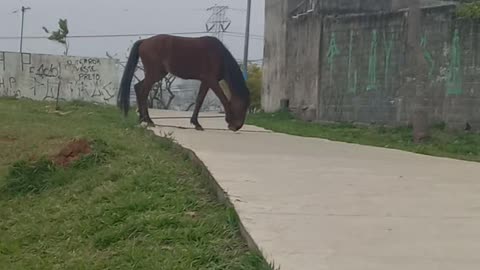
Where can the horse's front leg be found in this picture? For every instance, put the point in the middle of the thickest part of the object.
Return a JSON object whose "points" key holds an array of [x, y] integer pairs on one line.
{"points": [[198, 105]]}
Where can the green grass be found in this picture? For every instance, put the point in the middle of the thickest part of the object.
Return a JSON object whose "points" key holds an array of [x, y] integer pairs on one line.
{"points": [[135, 203], [461, 145]]}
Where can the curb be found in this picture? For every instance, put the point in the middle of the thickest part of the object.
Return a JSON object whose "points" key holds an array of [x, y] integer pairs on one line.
{"points": [[217, 190]]}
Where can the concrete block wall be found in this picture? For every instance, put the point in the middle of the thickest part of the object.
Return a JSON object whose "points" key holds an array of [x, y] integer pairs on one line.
{"points": [[349, 67], [362, 62], [274, 62], [38, 77], [302, 62], [460, 72], [283, 43]]}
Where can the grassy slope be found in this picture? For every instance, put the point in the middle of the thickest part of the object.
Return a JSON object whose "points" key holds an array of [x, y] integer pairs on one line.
{"points": [[146, 207], [461, 146]]}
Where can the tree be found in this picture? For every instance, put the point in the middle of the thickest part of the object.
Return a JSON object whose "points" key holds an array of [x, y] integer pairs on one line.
{"points": [[254, 83], [158, 93], [60, 35], [469, 9]]}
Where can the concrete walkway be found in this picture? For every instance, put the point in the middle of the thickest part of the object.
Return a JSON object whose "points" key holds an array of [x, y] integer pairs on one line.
{"points": [[313, 204]]}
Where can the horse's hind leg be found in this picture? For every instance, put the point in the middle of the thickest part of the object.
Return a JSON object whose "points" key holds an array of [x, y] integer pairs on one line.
{"points": [[198, 105], [142, 90], [138, 89], [147, 85]]}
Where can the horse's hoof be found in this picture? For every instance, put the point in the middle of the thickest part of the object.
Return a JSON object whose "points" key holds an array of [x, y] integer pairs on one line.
{"points": [[199, 128]]}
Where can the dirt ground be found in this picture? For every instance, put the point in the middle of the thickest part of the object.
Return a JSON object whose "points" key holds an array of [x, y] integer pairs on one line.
{"points": [[71, 152]]}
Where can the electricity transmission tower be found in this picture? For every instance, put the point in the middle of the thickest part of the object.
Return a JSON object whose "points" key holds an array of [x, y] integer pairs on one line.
{"points": [[218, 22]]}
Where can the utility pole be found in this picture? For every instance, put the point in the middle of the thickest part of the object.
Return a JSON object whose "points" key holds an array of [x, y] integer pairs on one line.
{"points": [[247, 39], [24, 9]]}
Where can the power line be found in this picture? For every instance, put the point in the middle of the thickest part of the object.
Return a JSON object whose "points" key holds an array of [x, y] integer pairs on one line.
{"points": [[106, 35], [238, 60], [232, 9], [242, 36], [239, 9], [228, 33]]}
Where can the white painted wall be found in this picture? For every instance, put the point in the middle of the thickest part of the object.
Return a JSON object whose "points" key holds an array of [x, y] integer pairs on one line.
{"points": [[185, 92], [37, 76]]}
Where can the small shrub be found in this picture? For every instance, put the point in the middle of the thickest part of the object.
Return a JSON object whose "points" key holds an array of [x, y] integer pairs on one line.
{"points": [[254, 83]]}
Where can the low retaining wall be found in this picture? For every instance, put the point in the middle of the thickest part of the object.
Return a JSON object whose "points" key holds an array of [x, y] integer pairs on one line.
{"points": [[43, 77]]}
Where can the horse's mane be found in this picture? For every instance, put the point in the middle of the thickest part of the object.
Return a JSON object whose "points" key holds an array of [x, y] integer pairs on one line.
{"points": [[233, 74]]}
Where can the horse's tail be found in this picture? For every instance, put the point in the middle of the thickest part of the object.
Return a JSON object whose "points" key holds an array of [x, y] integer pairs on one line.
{"points": [[128, 73], [233, 76]]}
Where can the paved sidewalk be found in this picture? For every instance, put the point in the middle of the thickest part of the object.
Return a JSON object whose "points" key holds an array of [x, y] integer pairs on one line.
{"points": [[313, 204]]}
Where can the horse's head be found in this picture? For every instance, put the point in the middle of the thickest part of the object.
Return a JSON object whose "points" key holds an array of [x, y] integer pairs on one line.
{"points": [[238, 112]]}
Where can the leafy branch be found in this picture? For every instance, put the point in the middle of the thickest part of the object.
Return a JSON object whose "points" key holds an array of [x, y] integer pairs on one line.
{"points": [[469, 9], [60, 35]]}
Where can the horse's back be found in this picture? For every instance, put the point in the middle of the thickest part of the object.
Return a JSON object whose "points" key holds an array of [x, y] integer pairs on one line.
{"points": [[185, 57], [192, 46]]}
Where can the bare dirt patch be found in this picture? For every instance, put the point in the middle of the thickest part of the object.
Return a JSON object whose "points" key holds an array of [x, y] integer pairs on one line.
{"points": [[72, 152], [7, 139]]}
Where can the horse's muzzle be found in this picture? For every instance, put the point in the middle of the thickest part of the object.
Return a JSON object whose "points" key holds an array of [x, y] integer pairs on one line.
{"points": [[233, 128]]}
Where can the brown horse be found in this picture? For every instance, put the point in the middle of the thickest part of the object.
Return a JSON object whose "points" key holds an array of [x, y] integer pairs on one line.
{"points": [[203, 58]]}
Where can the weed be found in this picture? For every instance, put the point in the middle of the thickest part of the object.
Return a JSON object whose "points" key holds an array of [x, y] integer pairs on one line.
{"points": [[29, 177]]}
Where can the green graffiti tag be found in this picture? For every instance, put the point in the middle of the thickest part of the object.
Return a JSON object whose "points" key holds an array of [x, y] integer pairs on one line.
{"points": [[372, 63], [352, 82], [427, 55], [333, 51], [388, 56], [454, 83]]}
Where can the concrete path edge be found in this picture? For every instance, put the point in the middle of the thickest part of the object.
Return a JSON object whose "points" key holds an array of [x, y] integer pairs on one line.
{"points": [[218, 191]]}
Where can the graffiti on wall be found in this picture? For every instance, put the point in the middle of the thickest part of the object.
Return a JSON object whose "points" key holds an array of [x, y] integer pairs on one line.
{"points": [[454, 83], [46, 77], [427, 55], [387, 47], [352, 78], [453, 78], [372, 63], [332, 53], [2, 61]]}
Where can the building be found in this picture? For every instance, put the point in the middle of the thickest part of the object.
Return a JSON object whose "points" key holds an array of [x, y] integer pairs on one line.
{"points": [[343, 60]]}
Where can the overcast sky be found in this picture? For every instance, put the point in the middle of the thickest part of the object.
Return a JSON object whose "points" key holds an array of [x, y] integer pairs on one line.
{"points": [[97, 17]]}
